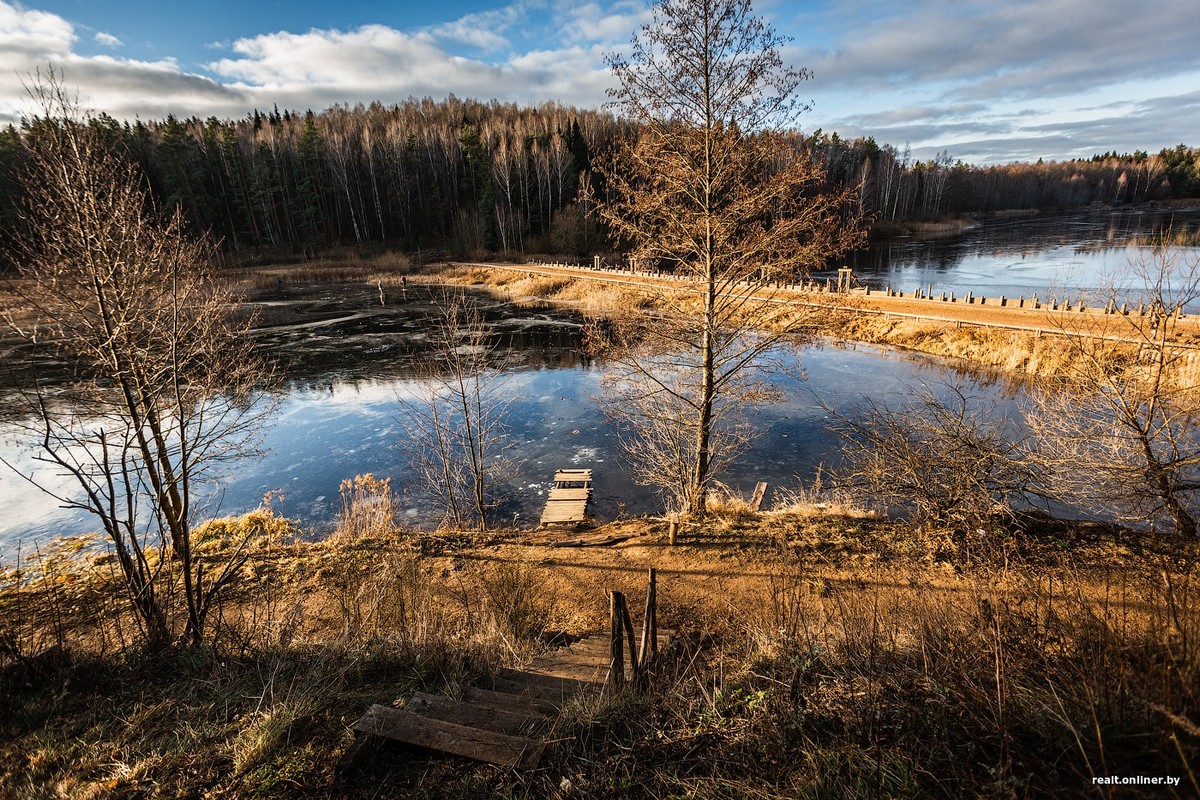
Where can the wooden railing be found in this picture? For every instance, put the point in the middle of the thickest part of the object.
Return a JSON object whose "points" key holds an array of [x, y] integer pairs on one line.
{"points": [[621, 625]]}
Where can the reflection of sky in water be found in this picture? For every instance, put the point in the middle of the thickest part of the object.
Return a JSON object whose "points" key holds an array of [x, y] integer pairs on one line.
{"points": [[318, 437], [1082, 251], [338, 419]]}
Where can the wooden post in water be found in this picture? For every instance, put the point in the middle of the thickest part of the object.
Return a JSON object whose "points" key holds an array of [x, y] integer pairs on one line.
{"points": [[759, 490]]}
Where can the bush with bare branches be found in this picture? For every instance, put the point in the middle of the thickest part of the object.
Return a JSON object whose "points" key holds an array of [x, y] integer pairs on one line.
{"points": [[945, 460], [1120, 430], [162, 377]]}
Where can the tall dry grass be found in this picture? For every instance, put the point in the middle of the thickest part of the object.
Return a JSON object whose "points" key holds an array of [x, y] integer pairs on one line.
{"points": [[1008, 683], [367, 507]]}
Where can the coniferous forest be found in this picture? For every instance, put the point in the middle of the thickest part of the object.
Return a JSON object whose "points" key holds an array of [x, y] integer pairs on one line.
{"points": [[469, 178]]}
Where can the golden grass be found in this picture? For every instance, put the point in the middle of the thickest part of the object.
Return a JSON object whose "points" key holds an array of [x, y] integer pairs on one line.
{"points": [[809, 666]]}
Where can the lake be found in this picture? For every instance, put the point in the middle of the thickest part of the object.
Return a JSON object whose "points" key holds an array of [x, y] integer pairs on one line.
{"points": [[346, 361], [1077, 253]]}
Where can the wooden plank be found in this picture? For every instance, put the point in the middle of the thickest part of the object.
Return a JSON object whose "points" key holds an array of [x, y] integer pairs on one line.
{"points": [[476, 715], [569, 494], [564, 511], [578, 669], [565, 514], [560, 508], [447, 737], [507, 701], [595, 541], [564, 687], [563, 519], [517, 683], [572, 474], [759, 490]]}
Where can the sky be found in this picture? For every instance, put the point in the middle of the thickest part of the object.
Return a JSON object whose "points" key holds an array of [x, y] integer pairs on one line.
{"points": [[985, 82]]}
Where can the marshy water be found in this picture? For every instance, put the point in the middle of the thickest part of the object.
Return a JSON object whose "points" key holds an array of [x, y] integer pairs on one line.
{"points": [[346, 361]]}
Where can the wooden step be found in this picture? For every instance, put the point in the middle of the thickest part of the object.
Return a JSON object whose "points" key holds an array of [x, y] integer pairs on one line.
{"points": [[573, 476], [476, 715], [577, 670], [547, 688], [569, 494], [507, 701], [461, 740], [559, 685]]}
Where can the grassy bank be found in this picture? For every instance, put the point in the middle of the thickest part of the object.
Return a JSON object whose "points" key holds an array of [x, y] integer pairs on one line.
{"points": [[824, 653]]}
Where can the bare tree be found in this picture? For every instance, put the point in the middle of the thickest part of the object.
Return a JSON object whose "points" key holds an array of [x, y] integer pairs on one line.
{"points": [[160, 374], [1121, 429], [708, 191], [455, 435], [945, 459]]}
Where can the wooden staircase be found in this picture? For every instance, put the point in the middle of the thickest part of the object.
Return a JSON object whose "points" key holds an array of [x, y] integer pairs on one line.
{"points": [[504, 721]]}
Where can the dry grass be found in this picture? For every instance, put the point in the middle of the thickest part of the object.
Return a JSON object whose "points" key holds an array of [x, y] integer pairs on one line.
{"points": [[368, 508], [823, 655]]}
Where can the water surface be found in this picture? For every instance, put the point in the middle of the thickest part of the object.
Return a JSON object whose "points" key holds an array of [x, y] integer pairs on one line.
{"points": [[1077, 253]]}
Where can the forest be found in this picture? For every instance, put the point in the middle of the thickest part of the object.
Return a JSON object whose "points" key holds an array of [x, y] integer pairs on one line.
{"points": [[467, 178]]}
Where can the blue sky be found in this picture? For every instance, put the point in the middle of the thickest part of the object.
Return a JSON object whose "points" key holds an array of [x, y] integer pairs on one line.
{"points": [[989, 82]]}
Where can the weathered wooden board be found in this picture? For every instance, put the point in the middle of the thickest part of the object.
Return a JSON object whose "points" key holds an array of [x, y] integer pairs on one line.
{"points": [[760, 490], [476, 715], [556, 684], [569, 494], [551, 689], [594, 541], [587, 670], [506, 701], [461, 740], [560, 511], [573, 476]]}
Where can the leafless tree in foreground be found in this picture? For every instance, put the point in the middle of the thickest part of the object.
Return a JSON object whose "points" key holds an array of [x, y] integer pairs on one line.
{"points": [[455, 436], [161, 375], [946, 458], [709, 190], [1121, 429]]}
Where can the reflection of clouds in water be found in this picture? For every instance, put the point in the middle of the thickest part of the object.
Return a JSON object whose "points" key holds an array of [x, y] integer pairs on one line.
{"points": [[322, 436], [27, 509]]}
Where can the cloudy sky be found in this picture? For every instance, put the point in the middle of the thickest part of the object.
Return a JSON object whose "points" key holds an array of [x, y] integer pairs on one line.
{"points": [[996, 81]]}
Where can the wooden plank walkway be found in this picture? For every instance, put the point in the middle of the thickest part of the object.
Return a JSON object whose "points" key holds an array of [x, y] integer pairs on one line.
{"points": [[567, 503], [504, 721]]}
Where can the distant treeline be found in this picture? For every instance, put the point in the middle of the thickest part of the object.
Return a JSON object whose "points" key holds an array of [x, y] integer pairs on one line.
{"points": [[469, 177]]}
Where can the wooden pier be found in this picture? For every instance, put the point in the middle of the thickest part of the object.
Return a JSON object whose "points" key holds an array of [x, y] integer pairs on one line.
{"points": [[569, 499]]}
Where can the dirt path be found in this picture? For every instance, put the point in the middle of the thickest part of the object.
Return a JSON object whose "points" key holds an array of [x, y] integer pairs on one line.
{"points": [[981, 311]]}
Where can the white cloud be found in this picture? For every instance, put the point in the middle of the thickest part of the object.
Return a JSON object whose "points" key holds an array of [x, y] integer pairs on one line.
{"points": [[973, 73], [25, 33], [376, 62], [107, 40]]}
